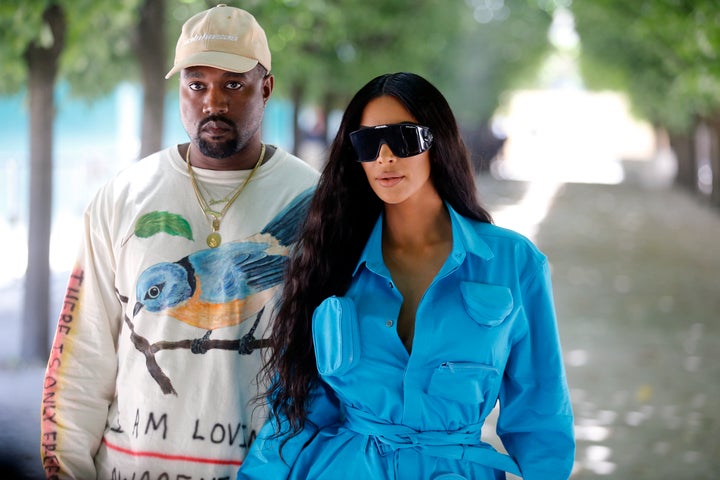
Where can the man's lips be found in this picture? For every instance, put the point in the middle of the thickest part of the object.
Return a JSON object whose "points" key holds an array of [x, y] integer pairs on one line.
{"points": [[215, 128]]}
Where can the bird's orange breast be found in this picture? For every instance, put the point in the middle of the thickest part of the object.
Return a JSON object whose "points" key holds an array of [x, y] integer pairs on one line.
{"points": [[210, 316]]}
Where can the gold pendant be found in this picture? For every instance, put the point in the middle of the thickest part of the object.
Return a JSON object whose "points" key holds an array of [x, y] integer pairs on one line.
{"points": [[214, 240]]}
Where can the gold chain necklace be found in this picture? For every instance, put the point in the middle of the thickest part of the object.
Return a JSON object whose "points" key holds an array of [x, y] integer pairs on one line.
{"points": [[214, 239]]}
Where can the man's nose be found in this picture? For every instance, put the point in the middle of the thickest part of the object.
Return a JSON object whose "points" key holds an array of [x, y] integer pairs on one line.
{"points": [[216, 102]]}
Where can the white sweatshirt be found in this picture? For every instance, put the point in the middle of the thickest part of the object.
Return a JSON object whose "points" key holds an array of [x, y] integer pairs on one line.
{"points": [[132, 391]]}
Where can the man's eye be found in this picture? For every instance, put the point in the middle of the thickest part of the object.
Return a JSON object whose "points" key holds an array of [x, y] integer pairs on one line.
{"points": [[234, 85], [195, 86]]}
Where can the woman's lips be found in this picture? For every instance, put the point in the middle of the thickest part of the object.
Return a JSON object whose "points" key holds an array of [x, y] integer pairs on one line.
{"points": [[389, 180]]}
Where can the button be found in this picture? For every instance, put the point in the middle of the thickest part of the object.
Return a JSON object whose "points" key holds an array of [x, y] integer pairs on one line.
{"points": [[390, 285], [389, 323]]}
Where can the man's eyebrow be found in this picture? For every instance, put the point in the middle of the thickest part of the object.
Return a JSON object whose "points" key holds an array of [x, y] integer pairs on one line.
{"points": [[192, 74]]}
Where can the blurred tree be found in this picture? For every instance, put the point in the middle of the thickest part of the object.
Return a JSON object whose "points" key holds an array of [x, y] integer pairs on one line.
{"points": [[326, 50], [34, 35], [323, 50], [150, 48], [497, 47], [663, 53], [41, 56]]}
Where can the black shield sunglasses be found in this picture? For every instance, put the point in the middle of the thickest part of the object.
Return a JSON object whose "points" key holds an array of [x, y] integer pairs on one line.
{"points": [[404, 139]]}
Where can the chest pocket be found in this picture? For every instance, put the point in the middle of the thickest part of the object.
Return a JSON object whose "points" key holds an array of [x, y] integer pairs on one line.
{"points": [[463, 382], [336, 336], [488, 305]]}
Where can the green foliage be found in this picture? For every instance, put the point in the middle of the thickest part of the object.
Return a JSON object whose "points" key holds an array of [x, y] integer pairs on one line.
{"points": [[470, 50], [20, 23], [493, 51], [99, 53], [96, 56], [323, 50], [662, 52]]}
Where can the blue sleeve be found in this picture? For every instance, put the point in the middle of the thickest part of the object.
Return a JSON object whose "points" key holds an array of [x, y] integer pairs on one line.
{"points": [[265, 461], [535, 422]]}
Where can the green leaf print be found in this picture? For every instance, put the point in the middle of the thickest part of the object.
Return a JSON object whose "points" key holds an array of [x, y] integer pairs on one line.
{"points": [[157, 222]]}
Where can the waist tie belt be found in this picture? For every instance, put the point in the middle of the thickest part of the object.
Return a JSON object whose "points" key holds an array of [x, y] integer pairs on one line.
{"points": [[462, 444]]}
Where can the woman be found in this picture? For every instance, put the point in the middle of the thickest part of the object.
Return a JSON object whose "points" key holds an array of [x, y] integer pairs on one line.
{"points": [[406, 315]]}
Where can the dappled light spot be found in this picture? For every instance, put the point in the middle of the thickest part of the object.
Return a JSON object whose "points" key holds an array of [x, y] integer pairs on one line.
{"points": [[637, 417], [596, 460], [591, 433], [576, 358]]}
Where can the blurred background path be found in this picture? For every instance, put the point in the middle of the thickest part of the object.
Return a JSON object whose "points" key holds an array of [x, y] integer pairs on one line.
{"points": [[636, 272]]}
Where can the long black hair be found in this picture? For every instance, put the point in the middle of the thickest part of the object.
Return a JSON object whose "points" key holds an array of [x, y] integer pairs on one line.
{"points": [[342, 213]]}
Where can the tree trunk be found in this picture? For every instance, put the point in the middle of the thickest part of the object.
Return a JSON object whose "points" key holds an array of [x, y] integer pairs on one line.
{"points": [[683, 145], [714, 122], [327, 106], [42, 63], [296, 94], [150, 49]]}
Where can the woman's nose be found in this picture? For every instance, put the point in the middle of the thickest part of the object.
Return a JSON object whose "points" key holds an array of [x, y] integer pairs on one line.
{"points": [[385, 155]]}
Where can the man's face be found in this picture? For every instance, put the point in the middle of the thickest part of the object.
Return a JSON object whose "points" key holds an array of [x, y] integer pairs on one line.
{"points": [[220, 110]]}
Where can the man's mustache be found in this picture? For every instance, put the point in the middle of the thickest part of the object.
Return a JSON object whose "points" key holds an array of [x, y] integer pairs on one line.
{"points": [[216, 119]]}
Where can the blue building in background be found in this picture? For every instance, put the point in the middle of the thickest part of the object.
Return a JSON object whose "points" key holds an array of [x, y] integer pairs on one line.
{"points": [[92, 142]]}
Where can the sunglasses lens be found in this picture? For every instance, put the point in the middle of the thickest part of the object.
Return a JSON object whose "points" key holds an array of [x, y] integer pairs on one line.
{"points": [[405, 140], [408, 142], [366, 143]]}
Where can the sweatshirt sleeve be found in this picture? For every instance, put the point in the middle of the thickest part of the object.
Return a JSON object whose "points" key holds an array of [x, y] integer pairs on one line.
{"points": [[265, 460], [536, 420], [79, 382]]}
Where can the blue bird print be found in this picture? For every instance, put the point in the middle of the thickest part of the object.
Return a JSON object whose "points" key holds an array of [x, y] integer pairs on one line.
{"points": [[224, 286]]}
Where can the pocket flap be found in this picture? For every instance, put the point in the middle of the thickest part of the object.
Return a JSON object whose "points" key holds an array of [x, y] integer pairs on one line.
{"points": [[336, 336], [487, 304]]}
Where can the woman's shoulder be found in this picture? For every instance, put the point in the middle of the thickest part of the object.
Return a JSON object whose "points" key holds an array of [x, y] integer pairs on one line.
{"points": [[502, 240]]}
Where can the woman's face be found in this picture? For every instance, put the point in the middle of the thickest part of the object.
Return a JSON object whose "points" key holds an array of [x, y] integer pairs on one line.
{"points": [[394, 179]]}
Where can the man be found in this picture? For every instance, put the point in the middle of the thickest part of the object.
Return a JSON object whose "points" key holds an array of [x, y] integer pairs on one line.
{"points": [[153, 368]]}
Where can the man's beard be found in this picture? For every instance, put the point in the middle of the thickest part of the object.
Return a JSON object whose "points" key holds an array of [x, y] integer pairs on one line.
{"points": [[218, 150]]}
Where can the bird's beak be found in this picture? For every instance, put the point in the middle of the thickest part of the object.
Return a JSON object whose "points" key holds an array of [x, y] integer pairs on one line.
{"points": [[138, 306]]}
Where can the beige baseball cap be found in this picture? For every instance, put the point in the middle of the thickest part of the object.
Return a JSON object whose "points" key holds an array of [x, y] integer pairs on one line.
{"points": [[222, 37]]}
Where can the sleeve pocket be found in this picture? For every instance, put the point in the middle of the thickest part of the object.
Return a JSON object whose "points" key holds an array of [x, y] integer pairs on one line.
{"points": [[463, 381], [336, 336], [487, 304]]}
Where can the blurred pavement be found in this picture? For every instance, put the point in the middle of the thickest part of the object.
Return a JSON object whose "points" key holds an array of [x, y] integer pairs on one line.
{"points": [[636, 272]]}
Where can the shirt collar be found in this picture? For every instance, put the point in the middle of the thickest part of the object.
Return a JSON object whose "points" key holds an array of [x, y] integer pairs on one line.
{"points": [[466, 240]]}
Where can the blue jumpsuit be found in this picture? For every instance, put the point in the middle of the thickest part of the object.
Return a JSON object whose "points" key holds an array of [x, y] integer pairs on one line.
{"points": [[485, 331]]}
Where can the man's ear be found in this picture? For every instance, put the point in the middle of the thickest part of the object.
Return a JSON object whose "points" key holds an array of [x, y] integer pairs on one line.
{"points": [[268, 83]]}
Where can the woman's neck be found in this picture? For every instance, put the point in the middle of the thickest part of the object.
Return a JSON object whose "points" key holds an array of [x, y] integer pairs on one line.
{"points": [[417, 224]]}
